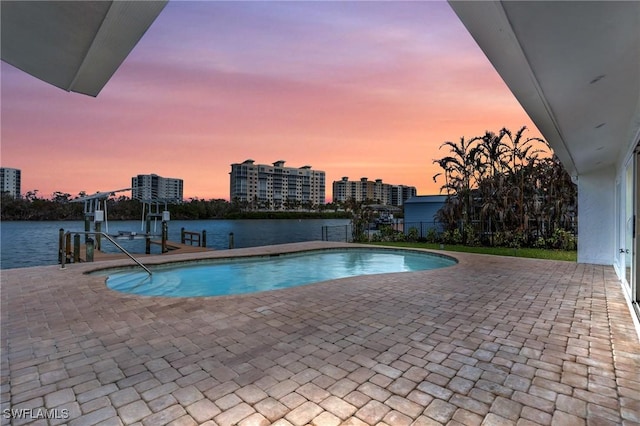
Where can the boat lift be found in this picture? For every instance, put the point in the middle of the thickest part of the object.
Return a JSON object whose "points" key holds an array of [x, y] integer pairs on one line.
{"points": [[95, 210], [151, 205]]}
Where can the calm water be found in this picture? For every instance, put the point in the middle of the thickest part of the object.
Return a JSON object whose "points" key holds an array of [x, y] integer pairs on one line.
{"points": [[238, 276], [26, 244]]}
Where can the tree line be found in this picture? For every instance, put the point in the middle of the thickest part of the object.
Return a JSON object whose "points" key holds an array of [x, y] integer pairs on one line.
{"points": [[60, 206], [506, 189]]}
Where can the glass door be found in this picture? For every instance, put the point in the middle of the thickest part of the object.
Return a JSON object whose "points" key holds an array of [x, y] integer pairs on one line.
{"points": [[629, 220], [633, 276], [620, 228]]}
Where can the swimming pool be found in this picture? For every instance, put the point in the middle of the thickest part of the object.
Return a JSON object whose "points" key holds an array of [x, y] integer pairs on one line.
{"points": [[262, 273]]}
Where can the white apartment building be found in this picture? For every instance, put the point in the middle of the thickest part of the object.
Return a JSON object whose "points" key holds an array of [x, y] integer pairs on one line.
{"points": [[276, 187], [10, 181], [152, 187], [376, 191]]}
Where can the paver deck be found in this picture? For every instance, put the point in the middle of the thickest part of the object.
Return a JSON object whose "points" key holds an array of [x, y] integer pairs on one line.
{"points": [[491, 341]]}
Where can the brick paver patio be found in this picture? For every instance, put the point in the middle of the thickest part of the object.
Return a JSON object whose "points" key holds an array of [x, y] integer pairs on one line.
{"points": [[492, 341]]}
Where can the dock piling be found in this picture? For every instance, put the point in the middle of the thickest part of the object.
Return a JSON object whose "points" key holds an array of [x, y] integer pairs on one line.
{"points": [[76, 248], [60, 245], [87, 228], [165, 232], [90, 248], [147, 248], [67, 253], [98, 226]]}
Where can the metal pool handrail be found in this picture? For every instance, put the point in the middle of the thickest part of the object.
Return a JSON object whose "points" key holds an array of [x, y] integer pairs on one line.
{"points": [[108, 237]]}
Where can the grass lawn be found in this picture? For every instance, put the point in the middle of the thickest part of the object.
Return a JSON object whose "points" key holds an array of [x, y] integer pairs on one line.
{"points": [[571, 256]]}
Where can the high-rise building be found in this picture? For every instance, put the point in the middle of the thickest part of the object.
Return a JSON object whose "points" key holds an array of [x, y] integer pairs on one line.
{"points": [[374, 191], [276, 187], [401, 193], [154, 188], [10, 181]]}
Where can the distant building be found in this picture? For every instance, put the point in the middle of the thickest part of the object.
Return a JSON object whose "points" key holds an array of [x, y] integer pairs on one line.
{"points": [[401, 193], [376, 191], [154, 188], [10, 181], [276, 187]]}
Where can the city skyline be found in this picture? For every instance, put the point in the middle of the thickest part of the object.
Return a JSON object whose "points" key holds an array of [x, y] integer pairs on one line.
{"points": [[135, 186], [354, 89]]}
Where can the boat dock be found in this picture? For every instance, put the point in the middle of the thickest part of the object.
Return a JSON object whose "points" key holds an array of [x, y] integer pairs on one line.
{"points": [[173, 247], [89, 251]]}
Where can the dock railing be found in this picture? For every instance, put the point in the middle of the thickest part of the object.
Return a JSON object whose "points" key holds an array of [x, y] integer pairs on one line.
{"points": [[190, 237]]}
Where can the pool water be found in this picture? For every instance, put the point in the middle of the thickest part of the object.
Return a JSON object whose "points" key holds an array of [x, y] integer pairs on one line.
{"points": [[255, 274]]}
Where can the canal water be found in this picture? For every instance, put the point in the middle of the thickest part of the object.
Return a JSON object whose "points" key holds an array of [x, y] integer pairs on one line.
{"points": [[24, 244]]}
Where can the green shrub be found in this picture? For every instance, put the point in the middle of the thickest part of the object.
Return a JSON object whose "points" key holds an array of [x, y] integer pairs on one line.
{"points": [[563, 240], [388, 234], [540, 243], [516, 240], [432, 236], [499, 238], [470, 236], [413, 234]]}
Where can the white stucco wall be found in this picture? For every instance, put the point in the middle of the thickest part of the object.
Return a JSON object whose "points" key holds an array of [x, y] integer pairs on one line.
{"points": [[596, 220]]}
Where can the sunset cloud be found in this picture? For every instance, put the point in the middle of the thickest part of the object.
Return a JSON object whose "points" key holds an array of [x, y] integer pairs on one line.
{"points": [[355, 89]]}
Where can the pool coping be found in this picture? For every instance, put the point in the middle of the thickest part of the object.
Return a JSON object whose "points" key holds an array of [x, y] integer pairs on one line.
{"points": [[288, 249], [89, 270], [290, 252]]}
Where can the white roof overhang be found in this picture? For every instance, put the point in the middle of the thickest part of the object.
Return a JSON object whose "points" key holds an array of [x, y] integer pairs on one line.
{"points": [[74, 45], [573, 66]]}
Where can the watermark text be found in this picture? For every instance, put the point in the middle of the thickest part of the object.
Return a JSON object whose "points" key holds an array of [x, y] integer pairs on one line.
{"points": [[35, 413]]}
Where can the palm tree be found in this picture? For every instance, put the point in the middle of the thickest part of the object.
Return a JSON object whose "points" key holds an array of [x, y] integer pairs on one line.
{"points": [[490, 166], [523, 156], [491, 152], [559, 194], [506, 180], [459, 172]]}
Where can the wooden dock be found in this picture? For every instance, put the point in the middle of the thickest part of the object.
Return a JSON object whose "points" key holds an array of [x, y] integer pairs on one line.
{"points": [[174, 248]]}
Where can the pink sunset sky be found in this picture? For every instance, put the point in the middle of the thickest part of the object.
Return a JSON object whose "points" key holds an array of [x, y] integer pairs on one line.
{"points": [[357, 89]]}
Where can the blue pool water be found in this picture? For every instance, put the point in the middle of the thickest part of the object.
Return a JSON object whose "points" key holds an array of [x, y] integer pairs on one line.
{"points": [[255, 274]]}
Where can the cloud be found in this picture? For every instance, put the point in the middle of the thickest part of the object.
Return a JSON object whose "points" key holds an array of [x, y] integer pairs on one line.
{"points": [[352, 88]]}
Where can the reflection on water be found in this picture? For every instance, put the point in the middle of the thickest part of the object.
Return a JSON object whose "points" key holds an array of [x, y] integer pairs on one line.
{"points": [[36, 243]]}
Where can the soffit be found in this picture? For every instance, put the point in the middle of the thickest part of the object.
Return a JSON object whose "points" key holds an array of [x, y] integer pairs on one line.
{"points": [[74, 45], [574, 67]]}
